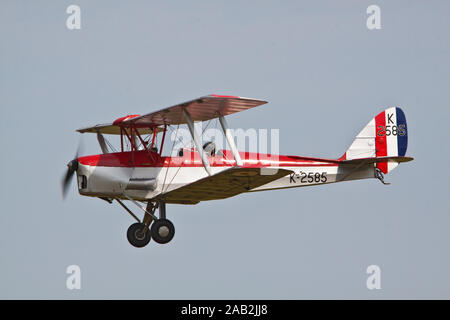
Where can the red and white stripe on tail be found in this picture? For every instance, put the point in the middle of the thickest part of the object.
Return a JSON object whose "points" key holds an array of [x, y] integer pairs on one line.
{"points": [[386, 135]]}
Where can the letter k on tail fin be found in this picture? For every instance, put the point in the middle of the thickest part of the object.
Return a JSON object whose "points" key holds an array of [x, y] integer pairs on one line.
{"points": [[385, 137]]}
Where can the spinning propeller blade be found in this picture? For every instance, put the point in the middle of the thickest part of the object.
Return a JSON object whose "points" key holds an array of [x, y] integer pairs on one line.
{"points": [[72, 167]]}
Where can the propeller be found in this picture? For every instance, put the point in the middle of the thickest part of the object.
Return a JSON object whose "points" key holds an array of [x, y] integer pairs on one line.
{"points": [[72, 167]]}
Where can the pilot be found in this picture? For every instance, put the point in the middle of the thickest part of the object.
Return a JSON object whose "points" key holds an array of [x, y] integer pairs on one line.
{"points": [[210, 148], [148, 146]]}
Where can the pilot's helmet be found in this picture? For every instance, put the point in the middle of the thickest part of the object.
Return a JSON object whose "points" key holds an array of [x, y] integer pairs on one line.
{"points": [[210, 148]]}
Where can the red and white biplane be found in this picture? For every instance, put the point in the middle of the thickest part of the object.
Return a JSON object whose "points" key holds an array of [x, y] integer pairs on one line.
{"points": [[141, 174]]}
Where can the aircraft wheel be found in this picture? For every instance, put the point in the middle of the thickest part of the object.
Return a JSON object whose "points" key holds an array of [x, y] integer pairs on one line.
{"points": [[136, 236], [162, 231]]}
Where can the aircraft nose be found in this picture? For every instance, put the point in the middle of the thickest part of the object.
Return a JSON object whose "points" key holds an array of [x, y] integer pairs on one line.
{"points": [[72, 166]]}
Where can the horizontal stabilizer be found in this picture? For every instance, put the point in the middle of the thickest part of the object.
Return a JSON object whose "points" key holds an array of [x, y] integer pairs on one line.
{"points": [[362, 161]]}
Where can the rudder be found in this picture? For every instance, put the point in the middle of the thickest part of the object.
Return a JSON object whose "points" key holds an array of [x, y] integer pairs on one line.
{"points": [[385, 135]]}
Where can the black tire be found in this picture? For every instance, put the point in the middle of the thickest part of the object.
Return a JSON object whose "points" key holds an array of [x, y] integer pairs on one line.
{"points": [[162, 231], [135, 236]]}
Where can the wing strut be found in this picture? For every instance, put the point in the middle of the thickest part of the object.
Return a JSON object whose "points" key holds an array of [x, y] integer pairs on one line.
{"points": [[196, 141], [230, 140], [101, 142]]}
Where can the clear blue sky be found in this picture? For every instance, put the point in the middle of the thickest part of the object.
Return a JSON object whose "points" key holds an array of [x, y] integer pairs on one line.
{"points": [[325, 76]]}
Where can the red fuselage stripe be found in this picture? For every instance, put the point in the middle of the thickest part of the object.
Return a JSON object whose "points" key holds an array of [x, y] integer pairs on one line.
{"points": [[151, 159]]}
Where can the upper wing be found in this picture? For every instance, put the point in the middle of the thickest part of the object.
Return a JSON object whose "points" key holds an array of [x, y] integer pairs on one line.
{"points": [[225, 184], [201, 109], [111, 128]]}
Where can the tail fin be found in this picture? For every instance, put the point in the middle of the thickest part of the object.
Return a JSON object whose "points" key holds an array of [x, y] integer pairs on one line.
{"points": [[386, 135]]}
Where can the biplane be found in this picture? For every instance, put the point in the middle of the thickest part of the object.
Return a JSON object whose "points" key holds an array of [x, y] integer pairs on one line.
{"points": [[141, 174]]}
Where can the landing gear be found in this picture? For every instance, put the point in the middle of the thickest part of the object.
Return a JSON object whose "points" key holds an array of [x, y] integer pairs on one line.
{"points": [[162, 230], [137, 235]]}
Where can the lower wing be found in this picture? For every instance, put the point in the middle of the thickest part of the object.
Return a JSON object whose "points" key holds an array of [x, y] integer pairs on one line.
{"points": [[225, 184]]}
